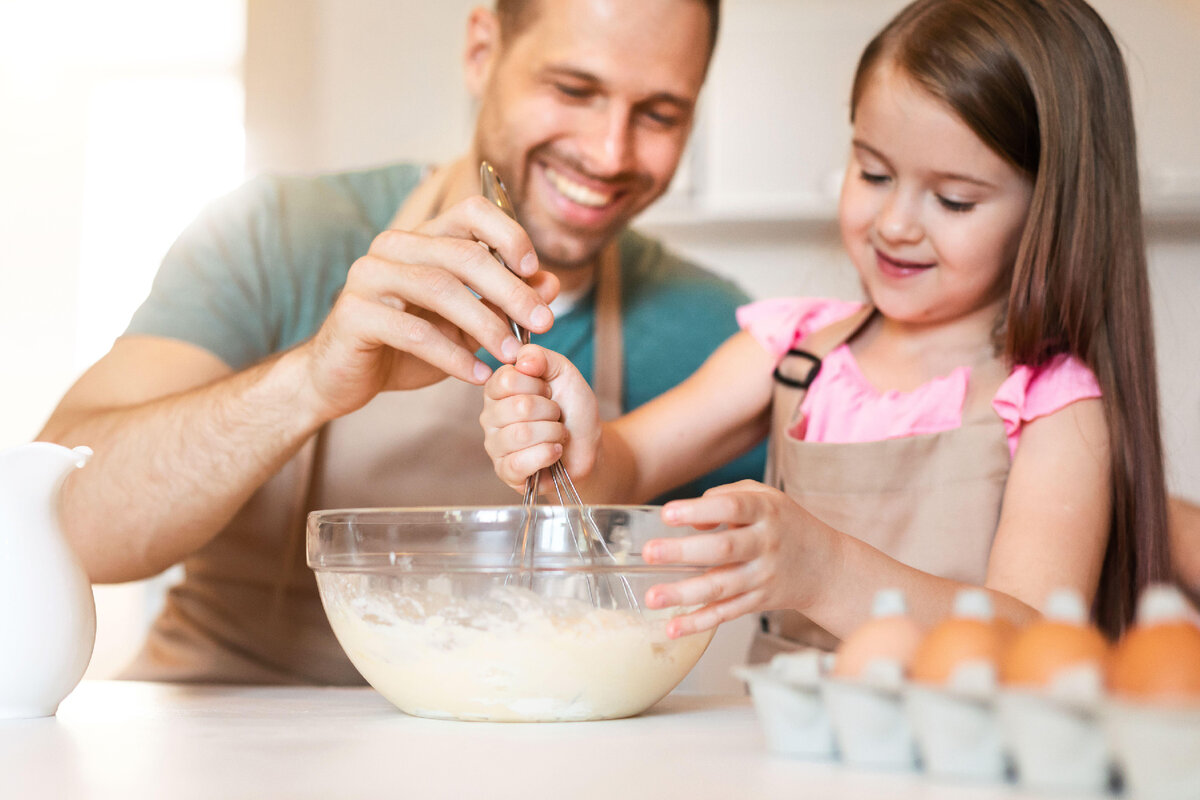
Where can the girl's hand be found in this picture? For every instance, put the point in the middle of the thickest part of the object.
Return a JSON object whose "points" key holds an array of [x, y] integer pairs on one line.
{"points": [[771, 555], [536, 411]]}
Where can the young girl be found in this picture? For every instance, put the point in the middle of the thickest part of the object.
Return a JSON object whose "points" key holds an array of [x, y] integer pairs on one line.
{"points": [[988, 418]]}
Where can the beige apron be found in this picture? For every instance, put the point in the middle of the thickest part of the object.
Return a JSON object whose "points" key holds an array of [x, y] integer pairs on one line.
{"points": [[248, 610], [930, 501]]}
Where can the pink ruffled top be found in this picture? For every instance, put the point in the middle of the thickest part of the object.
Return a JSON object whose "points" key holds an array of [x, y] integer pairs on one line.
{"points": [[843, 406]]}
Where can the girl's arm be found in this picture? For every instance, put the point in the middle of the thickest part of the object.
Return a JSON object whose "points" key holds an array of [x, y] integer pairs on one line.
{"points": [[1052, 532], [541, 408], [716, 415], [1054, 522]]}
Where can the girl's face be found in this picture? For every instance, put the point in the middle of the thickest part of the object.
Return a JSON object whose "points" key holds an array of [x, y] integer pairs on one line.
{"points": [[930, 215]]}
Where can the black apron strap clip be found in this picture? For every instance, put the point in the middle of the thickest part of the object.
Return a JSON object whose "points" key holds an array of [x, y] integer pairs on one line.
{"points": [[798, 375]]}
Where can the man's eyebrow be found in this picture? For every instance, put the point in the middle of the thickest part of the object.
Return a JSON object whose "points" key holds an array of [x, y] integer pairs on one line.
{"points": [[947, 176], [574, 73]]}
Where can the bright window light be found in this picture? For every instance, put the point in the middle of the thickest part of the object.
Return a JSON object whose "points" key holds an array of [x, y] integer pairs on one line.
{"points": [[158, 149], [121, 120]]}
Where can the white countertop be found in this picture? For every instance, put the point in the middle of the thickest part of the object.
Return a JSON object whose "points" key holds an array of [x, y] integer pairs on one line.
{"points": [[114, 739]]}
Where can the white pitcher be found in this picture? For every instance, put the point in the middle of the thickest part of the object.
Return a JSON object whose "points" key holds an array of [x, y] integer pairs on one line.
{"points": [[47, 614]]}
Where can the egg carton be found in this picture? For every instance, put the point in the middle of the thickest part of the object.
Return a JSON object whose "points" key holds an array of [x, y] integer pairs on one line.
{"points": [[870, 722], [1156, 748], [786, 693], [1069, 738]]}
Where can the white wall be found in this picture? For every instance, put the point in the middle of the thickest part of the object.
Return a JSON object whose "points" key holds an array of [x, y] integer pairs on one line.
{"points": [[338, 84]]}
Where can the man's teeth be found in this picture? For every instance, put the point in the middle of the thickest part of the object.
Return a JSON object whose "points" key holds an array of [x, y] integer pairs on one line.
{"points": [[577, 193]]}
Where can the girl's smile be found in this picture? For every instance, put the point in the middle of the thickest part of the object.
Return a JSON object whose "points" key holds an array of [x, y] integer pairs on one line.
{"points": [[899, 268]]}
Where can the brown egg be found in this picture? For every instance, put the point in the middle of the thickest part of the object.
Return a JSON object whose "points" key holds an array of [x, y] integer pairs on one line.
{"points": [[970, 635], [1159, 657], [1061, 640], [1046, 647], [889, 636], [953, 642]]}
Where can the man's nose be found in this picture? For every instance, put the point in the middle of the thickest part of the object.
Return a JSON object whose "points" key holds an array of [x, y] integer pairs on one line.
{"points": [[609, 144], [899, 219]]}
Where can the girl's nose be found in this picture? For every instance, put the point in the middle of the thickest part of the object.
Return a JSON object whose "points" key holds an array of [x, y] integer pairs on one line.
{"points": [[899, 218]]}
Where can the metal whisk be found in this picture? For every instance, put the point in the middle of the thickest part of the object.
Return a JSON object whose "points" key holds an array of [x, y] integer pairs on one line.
{"points": [[586, 536]]}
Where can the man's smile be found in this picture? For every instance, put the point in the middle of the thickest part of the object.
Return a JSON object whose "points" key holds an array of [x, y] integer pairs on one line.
{"points": [[578, 193]]}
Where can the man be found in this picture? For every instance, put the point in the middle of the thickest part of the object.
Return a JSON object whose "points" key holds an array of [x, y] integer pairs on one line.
{"points": [[255, 383]]}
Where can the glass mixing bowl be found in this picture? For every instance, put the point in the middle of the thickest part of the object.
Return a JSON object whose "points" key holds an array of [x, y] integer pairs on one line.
{"points": [[438, 611]]}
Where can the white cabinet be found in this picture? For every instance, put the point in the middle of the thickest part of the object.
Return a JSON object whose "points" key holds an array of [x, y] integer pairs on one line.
{"points": [[773, 131]]}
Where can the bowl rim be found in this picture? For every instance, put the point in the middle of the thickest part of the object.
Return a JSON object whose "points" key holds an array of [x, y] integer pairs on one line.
{"points": [[397, 562], [317, 513]]}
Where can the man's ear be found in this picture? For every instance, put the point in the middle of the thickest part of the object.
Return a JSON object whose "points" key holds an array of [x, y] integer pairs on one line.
{"points": [[482, 50]]}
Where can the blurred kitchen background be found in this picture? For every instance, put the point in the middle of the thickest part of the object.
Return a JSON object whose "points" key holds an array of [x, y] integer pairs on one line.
{"points": [[119, 120]]}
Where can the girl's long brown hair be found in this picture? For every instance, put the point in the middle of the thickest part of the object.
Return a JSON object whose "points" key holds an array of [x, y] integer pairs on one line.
{"points": [[1042, 83]]}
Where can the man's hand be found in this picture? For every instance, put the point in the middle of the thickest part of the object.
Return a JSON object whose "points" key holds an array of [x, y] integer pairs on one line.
{"points": [[419, 304]]}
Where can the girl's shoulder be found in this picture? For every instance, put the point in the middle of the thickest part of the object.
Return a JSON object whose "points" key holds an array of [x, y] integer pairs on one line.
{"points": [[1032, 392], [779, 323]]}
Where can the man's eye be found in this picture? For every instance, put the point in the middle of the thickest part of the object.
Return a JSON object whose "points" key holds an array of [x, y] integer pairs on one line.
{"points": [[873, 177], [957, 206], [574, 92], [663, 119]]}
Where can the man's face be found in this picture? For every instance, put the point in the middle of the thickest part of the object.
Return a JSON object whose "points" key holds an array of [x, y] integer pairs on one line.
{"points": [[585, 114]]}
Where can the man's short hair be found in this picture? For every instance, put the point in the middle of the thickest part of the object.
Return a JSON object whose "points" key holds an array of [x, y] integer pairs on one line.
{"points": [[516, 14]]}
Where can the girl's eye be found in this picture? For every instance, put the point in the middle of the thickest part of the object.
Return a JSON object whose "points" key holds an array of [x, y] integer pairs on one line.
{"points": [[956, 206], [873, 177]]}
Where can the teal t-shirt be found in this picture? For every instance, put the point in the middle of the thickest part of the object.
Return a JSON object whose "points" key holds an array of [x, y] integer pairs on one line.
{"points": [[259, 270]]}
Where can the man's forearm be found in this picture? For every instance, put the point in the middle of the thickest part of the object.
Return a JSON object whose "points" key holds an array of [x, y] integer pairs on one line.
{"points": [[168, 474]]}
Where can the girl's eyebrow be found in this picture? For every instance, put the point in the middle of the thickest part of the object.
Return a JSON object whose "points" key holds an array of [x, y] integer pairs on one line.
{"points": [[945, 176]]}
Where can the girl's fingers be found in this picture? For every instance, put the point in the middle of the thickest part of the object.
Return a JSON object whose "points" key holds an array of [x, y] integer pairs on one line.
{"points": [[509, 382], [520, 436], [712, 615], [734, 507], [744, 485], [516, 467], [719, 583], [535, 362], [519, 408], [727, 547]]}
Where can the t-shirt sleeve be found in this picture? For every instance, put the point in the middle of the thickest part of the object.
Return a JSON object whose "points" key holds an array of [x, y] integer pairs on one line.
{"points": [[780, 322], [212, 289], [676, 315], [1029, 393]]}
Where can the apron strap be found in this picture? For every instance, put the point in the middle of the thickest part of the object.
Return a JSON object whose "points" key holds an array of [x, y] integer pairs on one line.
{"points": [[789, 392], [986, 377], [609, 362], [295, 547]]}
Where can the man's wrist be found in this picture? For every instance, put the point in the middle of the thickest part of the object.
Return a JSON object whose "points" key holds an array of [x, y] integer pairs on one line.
{"points": [[286, 383]]}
